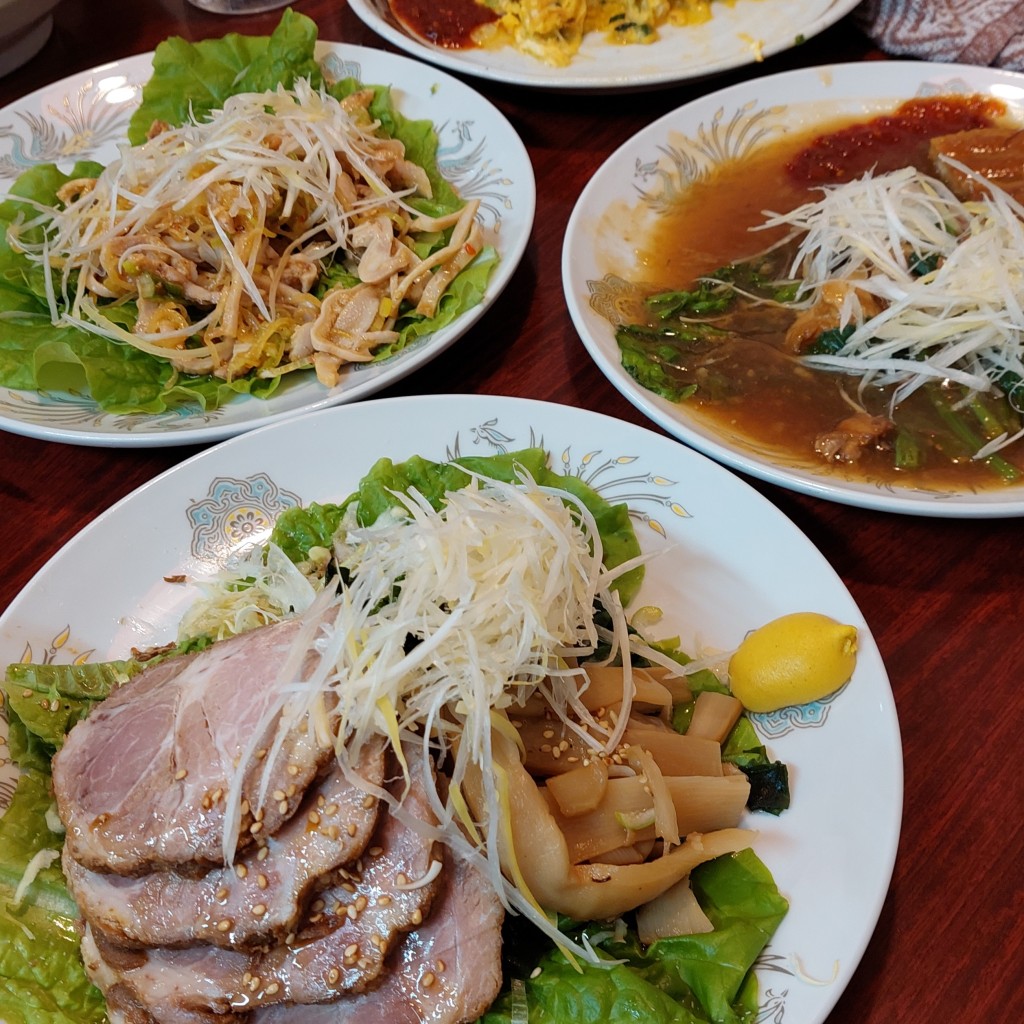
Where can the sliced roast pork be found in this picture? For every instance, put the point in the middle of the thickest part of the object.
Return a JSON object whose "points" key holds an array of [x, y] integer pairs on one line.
{"points": [[141, 783], [332, 827], [349, 932], [446, 972]]}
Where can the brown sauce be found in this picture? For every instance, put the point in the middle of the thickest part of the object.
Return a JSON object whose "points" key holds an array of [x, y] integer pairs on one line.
{"points": [[446, 23], [773, 400]]}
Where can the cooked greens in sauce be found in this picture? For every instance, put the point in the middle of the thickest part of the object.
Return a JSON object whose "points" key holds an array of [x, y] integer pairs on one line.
{"points": [[861, 309]]}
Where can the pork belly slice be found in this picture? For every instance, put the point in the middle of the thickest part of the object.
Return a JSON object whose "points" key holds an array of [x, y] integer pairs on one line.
{"points": [[140, 783], [332, 827], [446, 972], [342, 947], [997, 154]]}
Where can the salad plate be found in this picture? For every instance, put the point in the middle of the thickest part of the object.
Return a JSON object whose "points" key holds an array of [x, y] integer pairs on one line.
{"points": [[86, 116], [624, 200], [738, 33], [718, 550]]}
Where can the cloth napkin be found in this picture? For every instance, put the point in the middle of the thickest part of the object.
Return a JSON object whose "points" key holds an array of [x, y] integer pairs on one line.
{"points": [[964, 31]]}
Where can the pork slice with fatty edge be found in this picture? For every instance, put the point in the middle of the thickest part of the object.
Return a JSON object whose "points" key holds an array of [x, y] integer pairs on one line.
{"points": [[331, 827], [448, 971], [342, 948], [141, 783]]}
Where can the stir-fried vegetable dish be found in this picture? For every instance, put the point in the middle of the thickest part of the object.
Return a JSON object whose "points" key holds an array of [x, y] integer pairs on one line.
{"points": [[549, 30]]}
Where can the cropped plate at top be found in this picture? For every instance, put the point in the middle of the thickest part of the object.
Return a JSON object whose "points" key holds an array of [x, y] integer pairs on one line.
{"points": [[738, 33], [719, 551], [85, 116]]}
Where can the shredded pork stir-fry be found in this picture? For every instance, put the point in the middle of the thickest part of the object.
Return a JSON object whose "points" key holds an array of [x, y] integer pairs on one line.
{"points": [[226, 232]]}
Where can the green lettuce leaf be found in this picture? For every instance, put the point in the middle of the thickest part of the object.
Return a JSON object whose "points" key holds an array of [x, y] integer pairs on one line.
{"points": [[196, 78], [298, 529], [44, 981]]}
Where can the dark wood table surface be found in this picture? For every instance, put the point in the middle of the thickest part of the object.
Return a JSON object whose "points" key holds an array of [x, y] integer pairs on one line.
{"points": [[942, 597]]}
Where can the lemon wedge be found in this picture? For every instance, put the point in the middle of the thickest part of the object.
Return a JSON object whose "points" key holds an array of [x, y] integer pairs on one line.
{"points": [[794, 659]]}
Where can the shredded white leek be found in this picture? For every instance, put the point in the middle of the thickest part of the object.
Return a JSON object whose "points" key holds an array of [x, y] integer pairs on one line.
{"points": [[450, 618], [43, 859], [962, 321]]}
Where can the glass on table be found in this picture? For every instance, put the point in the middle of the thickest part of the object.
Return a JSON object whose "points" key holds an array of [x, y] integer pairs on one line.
{"points": [[238, 6]]}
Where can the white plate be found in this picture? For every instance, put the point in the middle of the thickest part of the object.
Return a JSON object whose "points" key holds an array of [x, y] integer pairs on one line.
{"points": [[686, 145], [722, 549], [86, 115], [741, 32]]}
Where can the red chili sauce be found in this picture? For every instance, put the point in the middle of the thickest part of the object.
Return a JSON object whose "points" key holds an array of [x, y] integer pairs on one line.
{"points": [[449, 23], [891, 141]]}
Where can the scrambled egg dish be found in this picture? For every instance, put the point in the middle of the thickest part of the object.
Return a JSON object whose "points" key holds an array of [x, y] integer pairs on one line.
{"points": [[552, 30]]}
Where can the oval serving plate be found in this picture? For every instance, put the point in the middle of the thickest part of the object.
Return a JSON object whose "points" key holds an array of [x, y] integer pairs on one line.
{"points": [[621, 203], [719, 550], [85, 116]]}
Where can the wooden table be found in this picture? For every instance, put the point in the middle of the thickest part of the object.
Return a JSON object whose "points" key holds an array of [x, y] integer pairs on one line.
{"points": [[943, 597]]}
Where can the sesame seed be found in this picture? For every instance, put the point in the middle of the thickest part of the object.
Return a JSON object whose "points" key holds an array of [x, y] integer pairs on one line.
{"points": [[26, 693], [259, 910], [264, 853], [293, 769], [273, 988], [333, 832], [180, 774], [535, 973], [333, 976], [383, 900], [254, 983], [351, 913], [417, 917], [439, 966], [564, 745], [260, 754], [222, 894], [368, 802], [278, 794], [348, 887], [256, 826], [207, 803], [361, 902], [292, 790], [377, 940], [375, 851], [224, 924], [320, 801], [331, 809], [556, 752], [261, 881], [282, 807], [545, 748], [314, 818], [318, 906], [241, 870], [401, 879], [244, 807], [217, 794], [428, 979], [352, 950], [351, 829], [259, 815]]}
